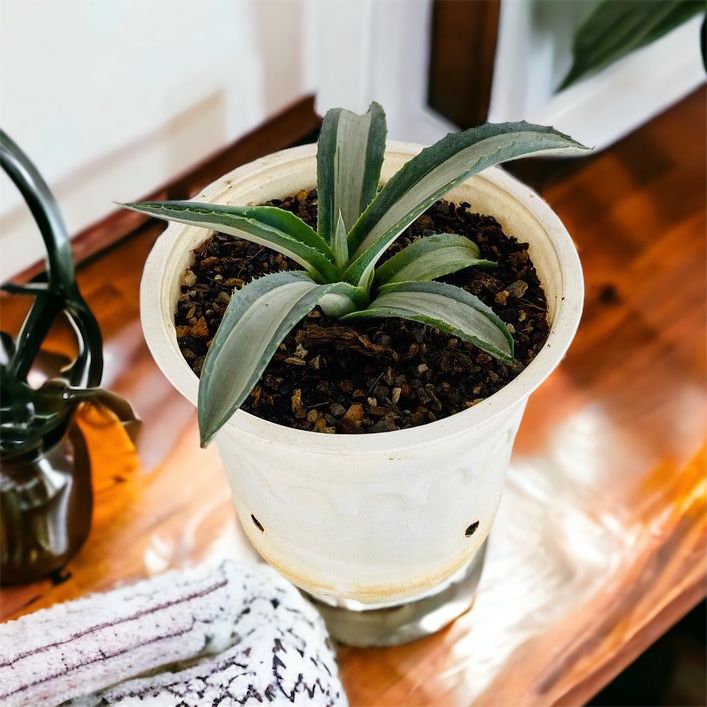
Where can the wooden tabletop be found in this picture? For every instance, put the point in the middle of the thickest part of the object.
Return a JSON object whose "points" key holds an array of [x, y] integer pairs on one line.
{"points": [[599, 545]]}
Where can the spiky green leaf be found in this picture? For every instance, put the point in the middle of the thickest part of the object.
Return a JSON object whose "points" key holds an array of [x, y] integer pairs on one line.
{"points": [[431, 257], [349, 158], [444, 307], [257, 319], [265, 225], [436, 170]]}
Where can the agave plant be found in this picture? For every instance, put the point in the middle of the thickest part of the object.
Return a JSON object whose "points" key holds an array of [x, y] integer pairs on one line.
{"points": [[356, 223]]}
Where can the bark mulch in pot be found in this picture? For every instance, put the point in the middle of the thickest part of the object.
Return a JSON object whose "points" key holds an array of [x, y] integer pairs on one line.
{"points": [[379, 375]]}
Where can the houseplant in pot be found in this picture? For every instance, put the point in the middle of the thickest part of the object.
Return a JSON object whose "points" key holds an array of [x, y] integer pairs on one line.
{"points": [[384, 530]]}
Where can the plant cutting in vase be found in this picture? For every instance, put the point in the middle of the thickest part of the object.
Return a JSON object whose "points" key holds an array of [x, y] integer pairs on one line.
{"points": [[355, 227], [386, 530], [45, 489]]}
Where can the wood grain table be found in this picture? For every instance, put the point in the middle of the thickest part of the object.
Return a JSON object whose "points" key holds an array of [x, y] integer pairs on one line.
{"points": [[599, 545]]}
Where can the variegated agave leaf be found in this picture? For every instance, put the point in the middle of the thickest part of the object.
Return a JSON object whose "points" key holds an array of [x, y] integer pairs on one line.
{"points": [[429, 258], [431, 174], [445, 307], [265, 225], [257, 319], [349, 157]]}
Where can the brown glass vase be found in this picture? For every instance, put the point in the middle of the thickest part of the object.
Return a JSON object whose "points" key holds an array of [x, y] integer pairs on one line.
{"points": [[46, 504]]}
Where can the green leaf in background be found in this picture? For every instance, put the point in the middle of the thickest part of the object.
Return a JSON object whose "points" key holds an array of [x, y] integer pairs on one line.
{"points": [[265, 225], [615, 28], [349, 158], [257, 319], [61, 291], [430, 257], [42, 204], [27, 414], [431, 174], [34, 418], [445, 307]]}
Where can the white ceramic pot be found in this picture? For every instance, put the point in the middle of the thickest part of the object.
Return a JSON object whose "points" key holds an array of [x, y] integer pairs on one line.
{"points": [[374, 519]]}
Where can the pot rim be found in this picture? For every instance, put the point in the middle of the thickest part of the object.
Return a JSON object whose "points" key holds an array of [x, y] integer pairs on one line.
{"points": [[160, 335]]}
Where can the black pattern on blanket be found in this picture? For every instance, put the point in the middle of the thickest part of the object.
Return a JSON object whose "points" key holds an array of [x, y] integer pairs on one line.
{"points": [[233, 635]]}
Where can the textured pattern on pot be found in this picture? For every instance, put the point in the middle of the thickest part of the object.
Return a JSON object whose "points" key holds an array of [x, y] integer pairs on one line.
{"points": [[378, 518]]}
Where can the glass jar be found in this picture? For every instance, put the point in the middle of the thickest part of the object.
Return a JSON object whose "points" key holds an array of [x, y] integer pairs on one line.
{"points": [[46, 504]]}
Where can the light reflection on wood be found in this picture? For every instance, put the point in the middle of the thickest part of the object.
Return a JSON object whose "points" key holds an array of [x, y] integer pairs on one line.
{"points": [[599, 545]]}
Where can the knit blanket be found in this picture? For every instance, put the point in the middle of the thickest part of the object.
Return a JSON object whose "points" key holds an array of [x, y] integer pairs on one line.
{"points": [[233, 635]]}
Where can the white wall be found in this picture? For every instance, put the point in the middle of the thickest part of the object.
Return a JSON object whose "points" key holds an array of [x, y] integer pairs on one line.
{"points": [[113, 98]]}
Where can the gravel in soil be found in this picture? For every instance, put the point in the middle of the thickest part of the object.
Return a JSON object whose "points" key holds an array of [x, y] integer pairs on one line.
{"points": [[379, 375]]}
